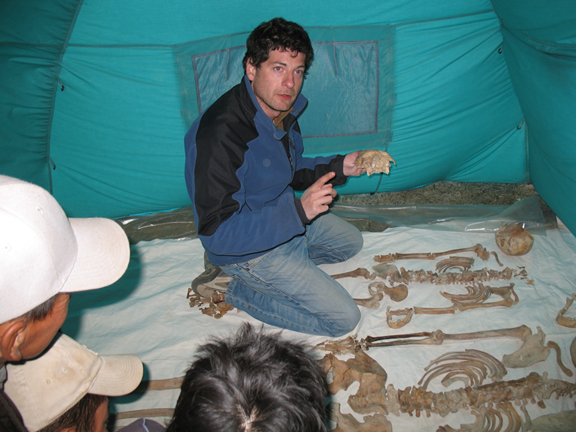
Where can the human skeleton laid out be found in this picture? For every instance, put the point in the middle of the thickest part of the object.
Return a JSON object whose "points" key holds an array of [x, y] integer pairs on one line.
{"points": [[477, 293], [499, 405]]}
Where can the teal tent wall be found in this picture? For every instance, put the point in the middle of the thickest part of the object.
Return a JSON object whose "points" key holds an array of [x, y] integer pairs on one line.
{"points": [[96, 96]]}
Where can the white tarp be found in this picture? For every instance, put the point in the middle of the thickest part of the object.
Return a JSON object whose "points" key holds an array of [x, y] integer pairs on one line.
{"points": [[147, 313]]}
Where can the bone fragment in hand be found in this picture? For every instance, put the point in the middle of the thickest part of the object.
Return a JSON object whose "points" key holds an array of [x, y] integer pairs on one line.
{"points": [[374, 161], [478, 249], [564, 320]]}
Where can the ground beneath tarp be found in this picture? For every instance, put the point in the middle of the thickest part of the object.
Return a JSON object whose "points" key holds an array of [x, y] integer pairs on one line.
{"points": [[147, 313]]}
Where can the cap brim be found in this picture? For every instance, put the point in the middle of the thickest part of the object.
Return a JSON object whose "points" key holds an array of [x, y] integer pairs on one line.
{"points": [[103, 254], [118, 375]]}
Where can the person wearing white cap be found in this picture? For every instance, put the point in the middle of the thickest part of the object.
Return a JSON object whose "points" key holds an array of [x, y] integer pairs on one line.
{"points": [[45, 256], [48, 389]]}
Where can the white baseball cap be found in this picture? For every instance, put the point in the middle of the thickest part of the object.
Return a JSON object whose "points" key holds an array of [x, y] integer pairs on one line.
{"points": [[43, 252], [45, 388]]}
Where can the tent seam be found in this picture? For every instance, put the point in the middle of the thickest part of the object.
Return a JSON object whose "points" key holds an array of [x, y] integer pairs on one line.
{"points": [[57, 71]]}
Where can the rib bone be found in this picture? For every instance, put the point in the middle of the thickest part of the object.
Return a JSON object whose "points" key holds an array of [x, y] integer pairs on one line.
{"points": [[469, 366], [463, 263], [476, 298], [556, 347]]}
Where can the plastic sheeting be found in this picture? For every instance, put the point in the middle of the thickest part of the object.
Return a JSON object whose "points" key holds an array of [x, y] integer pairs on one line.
{"points": [[147, 313]]}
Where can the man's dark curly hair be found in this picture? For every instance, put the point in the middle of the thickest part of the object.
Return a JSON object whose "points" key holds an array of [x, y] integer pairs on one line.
{"points": [[251, 382], [277, 34]]}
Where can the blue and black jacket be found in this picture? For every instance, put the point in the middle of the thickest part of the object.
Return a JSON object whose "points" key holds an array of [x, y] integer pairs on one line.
{"points": [[241, 173]]}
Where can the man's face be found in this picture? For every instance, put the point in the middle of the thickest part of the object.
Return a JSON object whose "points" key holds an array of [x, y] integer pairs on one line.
{"points": [[40, 333], [277, 82]]}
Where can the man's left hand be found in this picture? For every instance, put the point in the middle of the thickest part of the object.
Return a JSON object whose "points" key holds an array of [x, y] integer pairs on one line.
{"points": [[349, 168]]}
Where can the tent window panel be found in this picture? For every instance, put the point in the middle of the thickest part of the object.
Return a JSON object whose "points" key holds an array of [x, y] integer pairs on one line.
{"points": [[342, 86]]}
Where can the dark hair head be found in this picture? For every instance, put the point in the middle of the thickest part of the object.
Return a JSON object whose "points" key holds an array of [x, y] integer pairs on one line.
{"points": [[80, 417], [41, 311], [252, 382], [277, 34]]}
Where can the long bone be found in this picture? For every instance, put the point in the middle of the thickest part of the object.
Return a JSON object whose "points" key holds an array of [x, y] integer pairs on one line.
{"points": [[350, 345], [478, 249], [476, 298], [438, 336], [359, 272]]}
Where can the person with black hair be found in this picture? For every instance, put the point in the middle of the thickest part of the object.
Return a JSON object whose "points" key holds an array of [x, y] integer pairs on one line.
{"points": [[252, 381], [244, 160]]}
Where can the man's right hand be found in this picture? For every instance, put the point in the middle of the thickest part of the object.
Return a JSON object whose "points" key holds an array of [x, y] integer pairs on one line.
{"points": [[318, 197]]}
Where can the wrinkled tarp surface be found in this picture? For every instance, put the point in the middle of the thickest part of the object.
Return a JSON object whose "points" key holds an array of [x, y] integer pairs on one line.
{"points": [[147, 313]]}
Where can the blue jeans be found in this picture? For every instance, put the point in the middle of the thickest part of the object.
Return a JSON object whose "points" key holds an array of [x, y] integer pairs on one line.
{"points": [[285, 288]]}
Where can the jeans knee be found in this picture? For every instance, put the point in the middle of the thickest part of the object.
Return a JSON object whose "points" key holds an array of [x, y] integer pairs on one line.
{"points": [[347, 324], [358, 244]]}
